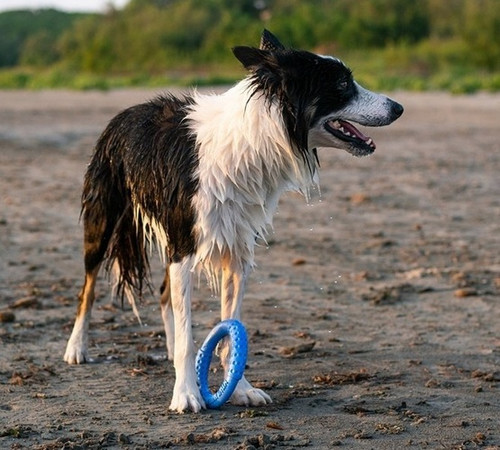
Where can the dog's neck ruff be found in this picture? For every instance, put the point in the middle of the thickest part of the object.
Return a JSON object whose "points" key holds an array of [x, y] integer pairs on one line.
{"points": [[246, 161]]}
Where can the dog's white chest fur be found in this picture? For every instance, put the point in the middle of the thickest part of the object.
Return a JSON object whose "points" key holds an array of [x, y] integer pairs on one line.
{"points": [[245, 164]]}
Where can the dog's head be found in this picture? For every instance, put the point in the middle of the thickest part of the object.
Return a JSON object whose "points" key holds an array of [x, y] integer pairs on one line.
{"points": [[317, 95]]}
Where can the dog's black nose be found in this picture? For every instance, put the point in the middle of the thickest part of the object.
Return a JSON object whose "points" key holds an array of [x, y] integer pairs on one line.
{"points": [[397, 109]]}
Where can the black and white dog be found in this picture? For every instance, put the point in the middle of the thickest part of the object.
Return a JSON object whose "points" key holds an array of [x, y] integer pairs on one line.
{"points": [[200, 177]]}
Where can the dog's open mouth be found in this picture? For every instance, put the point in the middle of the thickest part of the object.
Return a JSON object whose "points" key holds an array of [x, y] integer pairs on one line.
{"points": [[349, 133]]}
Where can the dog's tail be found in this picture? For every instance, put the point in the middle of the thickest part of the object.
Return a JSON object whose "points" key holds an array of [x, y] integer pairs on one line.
{"points": [[110, 232]]}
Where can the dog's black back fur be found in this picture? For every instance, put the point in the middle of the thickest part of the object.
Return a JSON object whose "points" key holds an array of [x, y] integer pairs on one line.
{"points": [[144, 156]]}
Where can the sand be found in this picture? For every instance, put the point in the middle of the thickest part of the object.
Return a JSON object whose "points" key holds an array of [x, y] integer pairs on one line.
{"points": [[373, 314]]}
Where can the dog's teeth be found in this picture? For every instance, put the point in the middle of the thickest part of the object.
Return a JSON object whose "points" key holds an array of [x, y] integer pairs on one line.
{"points": [[369, 141]]}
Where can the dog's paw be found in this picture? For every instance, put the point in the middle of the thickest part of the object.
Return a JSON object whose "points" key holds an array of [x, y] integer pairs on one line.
{"points": [[76, 349], [187, 399], [246, 395], [76, 353]]}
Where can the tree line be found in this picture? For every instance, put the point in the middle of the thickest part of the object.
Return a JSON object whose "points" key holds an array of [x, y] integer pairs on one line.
{"points": [[154, 36]]}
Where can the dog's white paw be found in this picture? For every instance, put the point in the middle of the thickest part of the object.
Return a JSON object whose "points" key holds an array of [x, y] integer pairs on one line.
{"points": [[76, 349], [76, 352], [246, 395], [187, 398]]}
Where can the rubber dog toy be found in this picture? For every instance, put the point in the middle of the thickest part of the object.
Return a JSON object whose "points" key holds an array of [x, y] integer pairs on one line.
{"points": [[237, 360]]}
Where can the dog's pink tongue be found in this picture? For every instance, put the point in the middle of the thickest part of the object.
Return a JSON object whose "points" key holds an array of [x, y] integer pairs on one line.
{"points": [[353, 130]]}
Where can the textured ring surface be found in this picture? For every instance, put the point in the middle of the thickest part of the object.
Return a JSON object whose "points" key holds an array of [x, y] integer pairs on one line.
{"points": [[237, 360]]}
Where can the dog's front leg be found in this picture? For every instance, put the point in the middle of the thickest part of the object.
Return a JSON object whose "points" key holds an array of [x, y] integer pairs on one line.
{"points": [[186, 393], [234, 277]]}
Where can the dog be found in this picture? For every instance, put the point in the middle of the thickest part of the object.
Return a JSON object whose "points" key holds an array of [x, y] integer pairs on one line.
{"points": [[199, 178]]}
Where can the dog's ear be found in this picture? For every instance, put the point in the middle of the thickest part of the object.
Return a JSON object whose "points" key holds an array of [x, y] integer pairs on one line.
{"points": [[251, 57], [268, 41]]}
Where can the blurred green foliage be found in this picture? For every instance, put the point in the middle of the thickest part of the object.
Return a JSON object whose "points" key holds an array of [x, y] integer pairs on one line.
{"points": [[390, 44], [30, 37]]}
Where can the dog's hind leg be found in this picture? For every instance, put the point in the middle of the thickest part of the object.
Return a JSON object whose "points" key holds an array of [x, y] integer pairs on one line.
{"points": [[76, 349], [186, 393], [97, 231], [167, 315], [234, 278]]}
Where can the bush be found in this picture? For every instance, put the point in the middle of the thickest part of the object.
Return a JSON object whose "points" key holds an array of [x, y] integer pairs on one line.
{"points": [[14, 79]]}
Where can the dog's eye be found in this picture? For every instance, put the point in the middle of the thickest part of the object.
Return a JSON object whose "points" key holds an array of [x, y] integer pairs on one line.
{"points": [[343, 85]]}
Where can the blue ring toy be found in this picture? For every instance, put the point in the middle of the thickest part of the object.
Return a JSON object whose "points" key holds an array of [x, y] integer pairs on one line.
{"points": [[237, 360]]}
